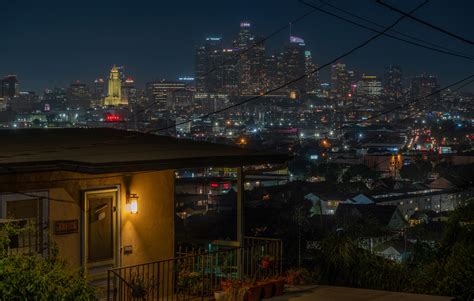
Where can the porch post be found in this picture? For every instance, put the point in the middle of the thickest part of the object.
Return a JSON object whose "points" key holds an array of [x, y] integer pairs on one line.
{"points": [[240, 219], [240, 204]]}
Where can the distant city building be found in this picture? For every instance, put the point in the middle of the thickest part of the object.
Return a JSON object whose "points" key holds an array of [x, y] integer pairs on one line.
{"points": [[180, 99], [158, 92], [25, 102], [10, 86], [98, 91], [114, 90], [295, 64], [230, 73], [340, 84], [256, 56], [275, 70], [55, 99], [244, 41], [393, 82], [129, 91], [209, 78], [424, 86], [312, 80], [369, 86], [78, 95]]}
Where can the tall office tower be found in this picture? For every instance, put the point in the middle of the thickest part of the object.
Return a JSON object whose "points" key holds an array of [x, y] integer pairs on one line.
{"points": [[230, 73], [256, 57], [55, 99], [393, 82], [294, 60], [271, 72], [98, 90], [158, 92], [129, 91], [244, 41], [340, 84], [424, 85], [78, 96], [180, 99], [114, 89], [9, 86], [369, 86], [312, 80], [209, 74]]}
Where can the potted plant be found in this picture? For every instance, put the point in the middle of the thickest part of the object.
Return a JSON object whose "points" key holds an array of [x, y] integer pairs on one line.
{"points": [[298, 276], [267, 288], [189, 282], [253, 290], [266, 261], [226, 284], [279, 285]]}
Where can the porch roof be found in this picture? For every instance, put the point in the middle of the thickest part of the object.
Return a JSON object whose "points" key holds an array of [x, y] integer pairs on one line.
{"points": [[104, 150]]}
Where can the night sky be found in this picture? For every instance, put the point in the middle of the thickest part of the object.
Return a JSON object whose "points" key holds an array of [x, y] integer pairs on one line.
{"points": [[51, 43]]}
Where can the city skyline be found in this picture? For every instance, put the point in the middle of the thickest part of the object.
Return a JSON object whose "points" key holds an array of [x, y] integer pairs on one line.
{"points": [[34, 59]]}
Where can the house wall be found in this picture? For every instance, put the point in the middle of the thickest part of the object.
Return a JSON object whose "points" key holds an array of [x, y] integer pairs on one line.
{"points": [[444, 201], [150, 232]]}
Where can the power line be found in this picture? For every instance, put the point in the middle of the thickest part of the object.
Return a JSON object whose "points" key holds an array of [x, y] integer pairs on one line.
{"points": [[396, 108], [449, 52], [409, 15], [397, 31], [257, 43], [365, 43], [289, 82]]}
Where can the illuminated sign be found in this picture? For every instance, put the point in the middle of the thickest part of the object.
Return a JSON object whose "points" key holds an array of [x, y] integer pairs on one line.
{"points": [[215, 185], [213, 39], [109, 117], [186, 79], [297, 40], [244, 24]]}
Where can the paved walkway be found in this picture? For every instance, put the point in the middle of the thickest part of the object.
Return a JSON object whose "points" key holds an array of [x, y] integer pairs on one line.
{"points": [[335, 293]]}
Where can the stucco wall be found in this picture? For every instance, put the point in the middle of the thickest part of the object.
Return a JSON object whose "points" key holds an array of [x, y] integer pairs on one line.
{"points": [[150, 232]]}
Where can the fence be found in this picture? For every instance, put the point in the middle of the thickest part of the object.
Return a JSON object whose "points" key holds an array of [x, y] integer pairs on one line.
{"points": [[197, 276]]}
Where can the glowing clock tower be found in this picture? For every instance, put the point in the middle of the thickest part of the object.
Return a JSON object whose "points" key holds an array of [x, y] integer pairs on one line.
{"points": [[114, 91]]}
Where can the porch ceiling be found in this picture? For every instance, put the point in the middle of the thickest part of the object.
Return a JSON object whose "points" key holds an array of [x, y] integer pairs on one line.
{"points": [[109, 150]]}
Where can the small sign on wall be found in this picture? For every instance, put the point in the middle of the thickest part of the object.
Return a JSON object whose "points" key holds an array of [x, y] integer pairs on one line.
{"points": [[66, 227]]}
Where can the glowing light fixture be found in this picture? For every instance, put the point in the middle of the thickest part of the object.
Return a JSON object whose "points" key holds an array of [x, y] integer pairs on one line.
{"points": [[132, 203]]}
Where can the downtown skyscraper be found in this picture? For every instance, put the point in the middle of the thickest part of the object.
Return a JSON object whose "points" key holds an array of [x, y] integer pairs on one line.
{"points": [[393, 89]]}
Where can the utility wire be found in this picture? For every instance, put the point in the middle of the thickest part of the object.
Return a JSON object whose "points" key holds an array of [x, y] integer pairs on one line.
{"points": [[362, 45], [257, 43], [409, 15], [449, 52], [307, 74], [409, 103], [396, 31]]}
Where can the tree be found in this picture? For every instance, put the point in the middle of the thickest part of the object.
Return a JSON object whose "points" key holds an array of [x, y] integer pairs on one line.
{"points": [[359, 171], [417, 171], [32, 277]]}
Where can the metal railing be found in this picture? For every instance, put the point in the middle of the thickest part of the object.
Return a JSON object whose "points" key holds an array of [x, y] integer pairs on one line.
{"points": [[197, 276], [23, 237]]}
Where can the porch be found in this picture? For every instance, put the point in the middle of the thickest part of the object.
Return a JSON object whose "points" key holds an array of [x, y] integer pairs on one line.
{"points": [[198, 276]]}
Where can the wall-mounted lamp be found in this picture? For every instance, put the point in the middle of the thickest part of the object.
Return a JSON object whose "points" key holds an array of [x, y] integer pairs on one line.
{"points": [[132, 203]]}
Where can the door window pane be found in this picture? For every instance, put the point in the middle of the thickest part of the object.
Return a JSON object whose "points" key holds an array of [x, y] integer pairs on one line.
{"points": [[100, 229]]}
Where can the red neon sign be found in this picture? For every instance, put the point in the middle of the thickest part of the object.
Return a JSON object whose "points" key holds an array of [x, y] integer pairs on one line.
{"points": [[113, 117]]}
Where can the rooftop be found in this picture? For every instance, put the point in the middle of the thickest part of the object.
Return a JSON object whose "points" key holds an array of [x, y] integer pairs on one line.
{"points": [[104, 150]]}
